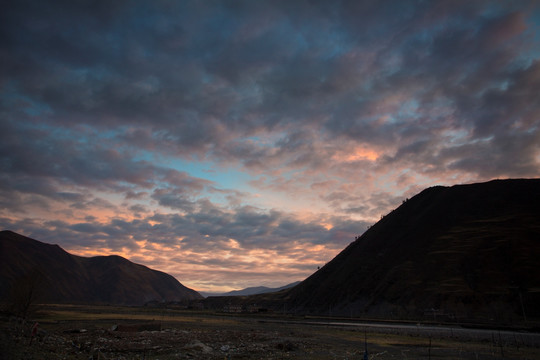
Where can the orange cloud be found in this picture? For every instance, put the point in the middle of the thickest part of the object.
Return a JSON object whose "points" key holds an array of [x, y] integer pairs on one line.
{"points": [[357, 153]]}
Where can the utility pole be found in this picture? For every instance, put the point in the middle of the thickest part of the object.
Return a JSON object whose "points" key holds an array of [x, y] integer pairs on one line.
{"points": [[365, 345]]}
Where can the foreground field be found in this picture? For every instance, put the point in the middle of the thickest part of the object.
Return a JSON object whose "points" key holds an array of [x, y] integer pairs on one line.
{"points": [[71, 332]]}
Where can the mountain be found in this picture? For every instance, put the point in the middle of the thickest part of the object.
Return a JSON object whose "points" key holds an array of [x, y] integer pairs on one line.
{"points": [[61, 277], [468, 251], [253, 290], [462, 253]]}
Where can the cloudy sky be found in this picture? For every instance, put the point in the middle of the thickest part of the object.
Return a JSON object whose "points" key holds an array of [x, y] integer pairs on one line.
{"points": [[245, 143]]}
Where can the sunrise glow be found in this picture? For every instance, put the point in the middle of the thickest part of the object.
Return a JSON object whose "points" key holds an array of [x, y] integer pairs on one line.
{"points": [[247, 144]]}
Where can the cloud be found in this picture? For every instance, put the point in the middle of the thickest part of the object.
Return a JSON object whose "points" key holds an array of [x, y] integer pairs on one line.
{"points": [[287, 127], [245, 240]]}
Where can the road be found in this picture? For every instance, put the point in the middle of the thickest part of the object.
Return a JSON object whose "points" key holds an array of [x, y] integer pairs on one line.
{"points": [[434, 331]]}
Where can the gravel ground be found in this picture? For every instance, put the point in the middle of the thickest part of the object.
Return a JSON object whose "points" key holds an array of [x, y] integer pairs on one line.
{"points": [[238, 338]]}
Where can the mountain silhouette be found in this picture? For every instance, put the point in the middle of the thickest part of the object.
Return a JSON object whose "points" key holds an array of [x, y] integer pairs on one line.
{"points": [[252, 290], [460, 253], [66, 278], [468, 251]]}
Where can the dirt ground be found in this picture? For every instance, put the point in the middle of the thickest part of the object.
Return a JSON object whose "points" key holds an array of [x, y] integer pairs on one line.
{"points": [[104, 334]]}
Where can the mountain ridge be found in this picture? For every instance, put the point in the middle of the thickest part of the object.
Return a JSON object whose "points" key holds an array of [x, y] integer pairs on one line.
{"points": [[462, 252], [463, 249], [69, 278], [254, 290], [467, 252]]}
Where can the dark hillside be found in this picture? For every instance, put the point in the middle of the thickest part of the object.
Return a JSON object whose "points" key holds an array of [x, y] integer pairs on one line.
{"points": [[469, 251], [66, 278]]}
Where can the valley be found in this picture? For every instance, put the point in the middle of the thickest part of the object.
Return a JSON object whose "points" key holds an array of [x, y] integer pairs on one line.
{"points": [[114, 332], [452, 273]]}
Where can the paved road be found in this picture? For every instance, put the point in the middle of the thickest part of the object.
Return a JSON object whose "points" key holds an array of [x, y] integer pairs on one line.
{"points": [[456, 332]]}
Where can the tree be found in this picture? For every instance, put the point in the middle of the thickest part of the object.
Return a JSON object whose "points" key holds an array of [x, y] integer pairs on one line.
{"points": [[25, 294]]}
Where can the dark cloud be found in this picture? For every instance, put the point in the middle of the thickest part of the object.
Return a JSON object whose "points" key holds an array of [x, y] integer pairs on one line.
{"points": [[194, 124]]}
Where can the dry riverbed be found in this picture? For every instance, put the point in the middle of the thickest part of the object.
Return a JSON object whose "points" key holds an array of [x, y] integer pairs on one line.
{"points": [[130, 333]]}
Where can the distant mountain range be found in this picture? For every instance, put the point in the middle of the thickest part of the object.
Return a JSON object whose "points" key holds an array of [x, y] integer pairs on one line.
{"points": [[251, 290], [60, 277], [466, 252], [461, 252]]}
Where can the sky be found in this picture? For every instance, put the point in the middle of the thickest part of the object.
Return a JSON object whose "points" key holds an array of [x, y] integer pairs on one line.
{"points": [[246, 143]]}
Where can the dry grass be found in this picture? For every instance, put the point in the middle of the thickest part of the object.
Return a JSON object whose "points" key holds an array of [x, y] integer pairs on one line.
{"points": [[78, 332]]}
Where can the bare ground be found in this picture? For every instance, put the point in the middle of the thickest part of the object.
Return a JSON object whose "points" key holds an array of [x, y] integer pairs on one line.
{"points": [[75, 333]]}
